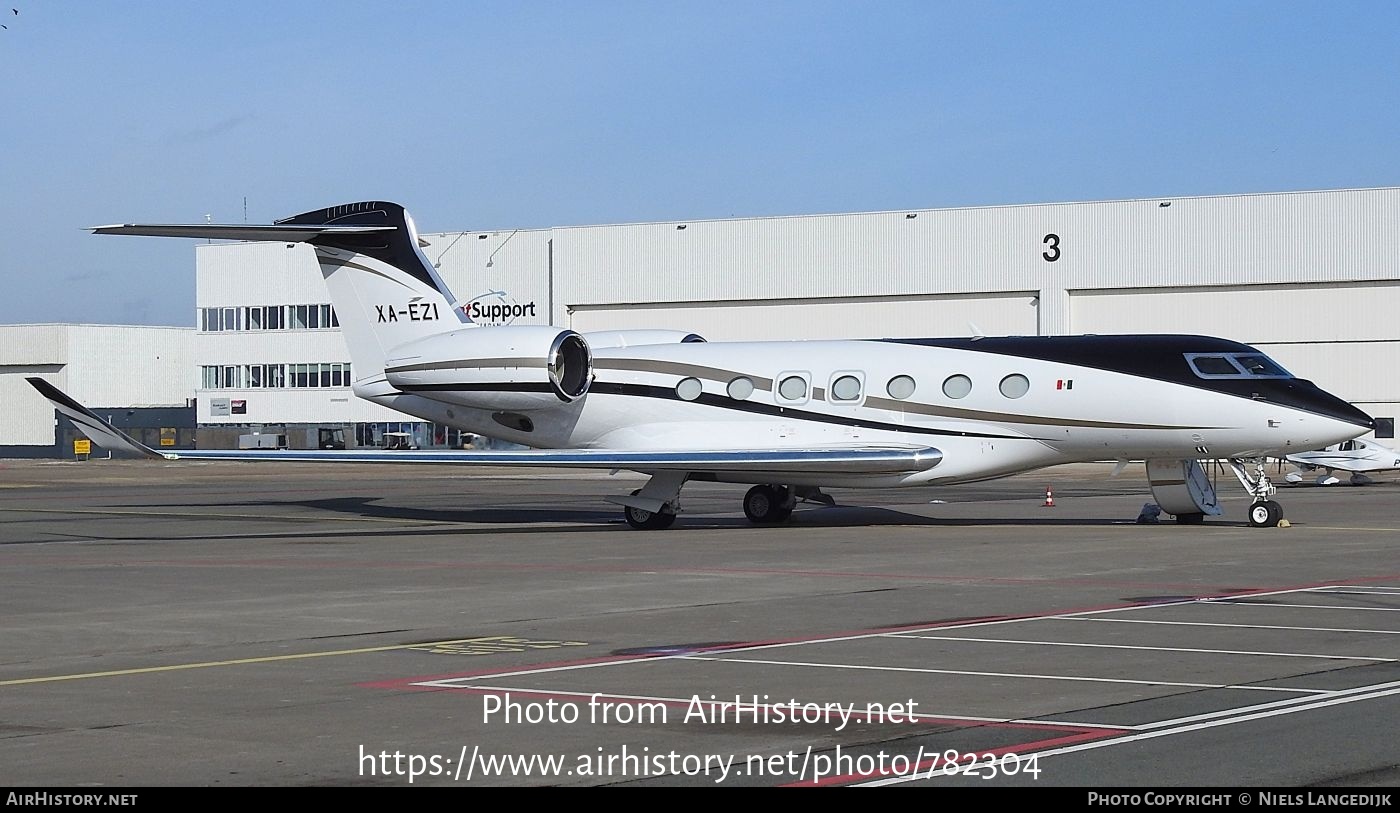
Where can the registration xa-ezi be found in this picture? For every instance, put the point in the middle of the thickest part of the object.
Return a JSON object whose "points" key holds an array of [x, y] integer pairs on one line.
{"points": [[413, 312], [787, 417]]}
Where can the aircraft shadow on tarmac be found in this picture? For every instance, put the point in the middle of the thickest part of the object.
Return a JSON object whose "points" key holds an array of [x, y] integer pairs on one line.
{"points": [[529, 519]]}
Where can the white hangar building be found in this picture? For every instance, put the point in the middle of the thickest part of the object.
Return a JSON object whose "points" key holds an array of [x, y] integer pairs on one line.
{"points": [[1312, 278]]}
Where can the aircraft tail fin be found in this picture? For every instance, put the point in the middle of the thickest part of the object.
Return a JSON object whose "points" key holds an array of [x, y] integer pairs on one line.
{"points": [[385, 292], [97, 430]]}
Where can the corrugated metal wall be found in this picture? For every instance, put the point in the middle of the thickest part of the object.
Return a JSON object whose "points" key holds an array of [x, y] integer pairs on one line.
{"points": [[101, 365], [999, 314], [1301, 237]]}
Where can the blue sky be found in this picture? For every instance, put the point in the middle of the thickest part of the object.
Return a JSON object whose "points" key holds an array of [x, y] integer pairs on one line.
{"points": [[525, 114]]}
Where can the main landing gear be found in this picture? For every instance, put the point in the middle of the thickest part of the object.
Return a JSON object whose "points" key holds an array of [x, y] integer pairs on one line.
{"points": [[654, 506], [769, 505], [1264, 512], [644, 520], [773, 504]]}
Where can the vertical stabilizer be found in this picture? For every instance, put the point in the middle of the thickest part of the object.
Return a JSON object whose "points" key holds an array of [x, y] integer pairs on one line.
{"points": [[385, 291]]}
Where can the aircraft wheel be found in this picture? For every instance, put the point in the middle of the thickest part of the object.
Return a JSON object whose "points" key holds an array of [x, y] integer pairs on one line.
{"points": [[763, 505], [1265, 514], [647, 520], [1190, 519]]}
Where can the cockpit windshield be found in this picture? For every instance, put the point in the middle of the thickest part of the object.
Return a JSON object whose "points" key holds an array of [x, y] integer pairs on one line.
{"points": [[1235, 365], [1261, 365]]}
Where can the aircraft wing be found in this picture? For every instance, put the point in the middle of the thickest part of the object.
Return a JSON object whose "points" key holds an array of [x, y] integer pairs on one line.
{"points": [[869, 459], [1346, 461], [97, 430]]}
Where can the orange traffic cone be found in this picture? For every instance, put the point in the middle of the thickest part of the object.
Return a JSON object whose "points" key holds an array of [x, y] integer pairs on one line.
{"points": [[1049, 498]]}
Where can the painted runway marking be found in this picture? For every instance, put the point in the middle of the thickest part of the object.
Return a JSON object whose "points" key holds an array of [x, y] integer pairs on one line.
{"points": [[178, 667], [1371, 693], [1299, 699], [491, 646], [1236, 626], [1235, 603], [1356, 591], [1148, 648], [1080, 678]]}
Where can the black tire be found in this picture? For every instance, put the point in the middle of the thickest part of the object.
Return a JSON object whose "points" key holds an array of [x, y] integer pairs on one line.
{"points": [[763, 505], [1265, 514], [647, 520], [1190, 519]]}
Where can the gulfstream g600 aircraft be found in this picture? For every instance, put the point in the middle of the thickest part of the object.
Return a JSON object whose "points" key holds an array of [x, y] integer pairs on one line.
{"points": [[789, 417]]}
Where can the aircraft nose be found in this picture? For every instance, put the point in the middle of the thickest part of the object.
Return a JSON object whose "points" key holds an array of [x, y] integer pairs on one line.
{"points": [[1308, 397]]}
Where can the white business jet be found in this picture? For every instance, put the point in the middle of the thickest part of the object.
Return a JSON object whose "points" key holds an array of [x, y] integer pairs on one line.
{"points": [[789, 417], [1355, 456]]}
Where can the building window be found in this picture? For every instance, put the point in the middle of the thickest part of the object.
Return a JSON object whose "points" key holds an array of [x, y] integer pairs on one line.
{"points": [[275, 376], [268, 317]]}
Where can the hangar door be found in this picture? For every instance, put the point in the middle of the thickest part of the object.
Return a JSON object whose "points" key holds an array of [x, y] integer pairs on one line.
{"points": [[844, 318]]}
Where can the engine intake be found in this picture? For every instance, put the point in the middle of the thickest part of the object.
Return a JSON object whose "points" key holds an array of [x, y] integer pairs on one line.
{"points": [[513, 368]]}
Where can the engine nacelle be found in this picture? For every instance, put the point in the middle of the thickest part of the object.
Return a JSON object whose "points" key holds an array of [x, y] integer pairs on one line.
{"points": [[601, 339], [515, 368]]}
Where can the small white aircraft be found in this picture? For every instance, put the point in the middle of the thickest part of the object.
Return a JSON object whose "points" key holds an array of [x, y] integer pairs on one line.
{"points": [[1355, 456], [789, 417]]}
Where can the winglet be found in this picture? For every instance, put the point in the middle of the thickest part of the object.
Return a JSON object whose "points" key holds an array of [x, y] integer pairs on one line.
{"points": [[97, 430]]}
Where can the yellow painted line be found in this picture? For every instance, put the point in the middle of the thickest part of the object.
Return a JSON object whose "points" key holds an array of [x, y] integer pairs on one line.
{"points": [[179, 667], [273, 518]]}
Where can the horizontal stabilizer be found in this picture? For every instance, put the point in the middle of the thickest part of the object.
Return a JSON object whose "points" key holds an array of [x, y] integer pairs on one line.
{"points": [[218, 231], [97, 430]]}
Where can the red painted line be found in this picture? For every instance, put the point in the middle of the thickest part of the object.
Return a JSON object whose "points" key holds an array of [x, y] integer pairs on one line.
{"points": [[403, 683], [1020, 749], [406, 682], [642, 569]]}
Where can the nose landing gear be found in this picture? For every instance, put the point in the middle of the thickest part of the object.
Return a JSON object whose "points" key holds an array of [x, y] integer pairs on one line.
{"points": [[1264, 512]]}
